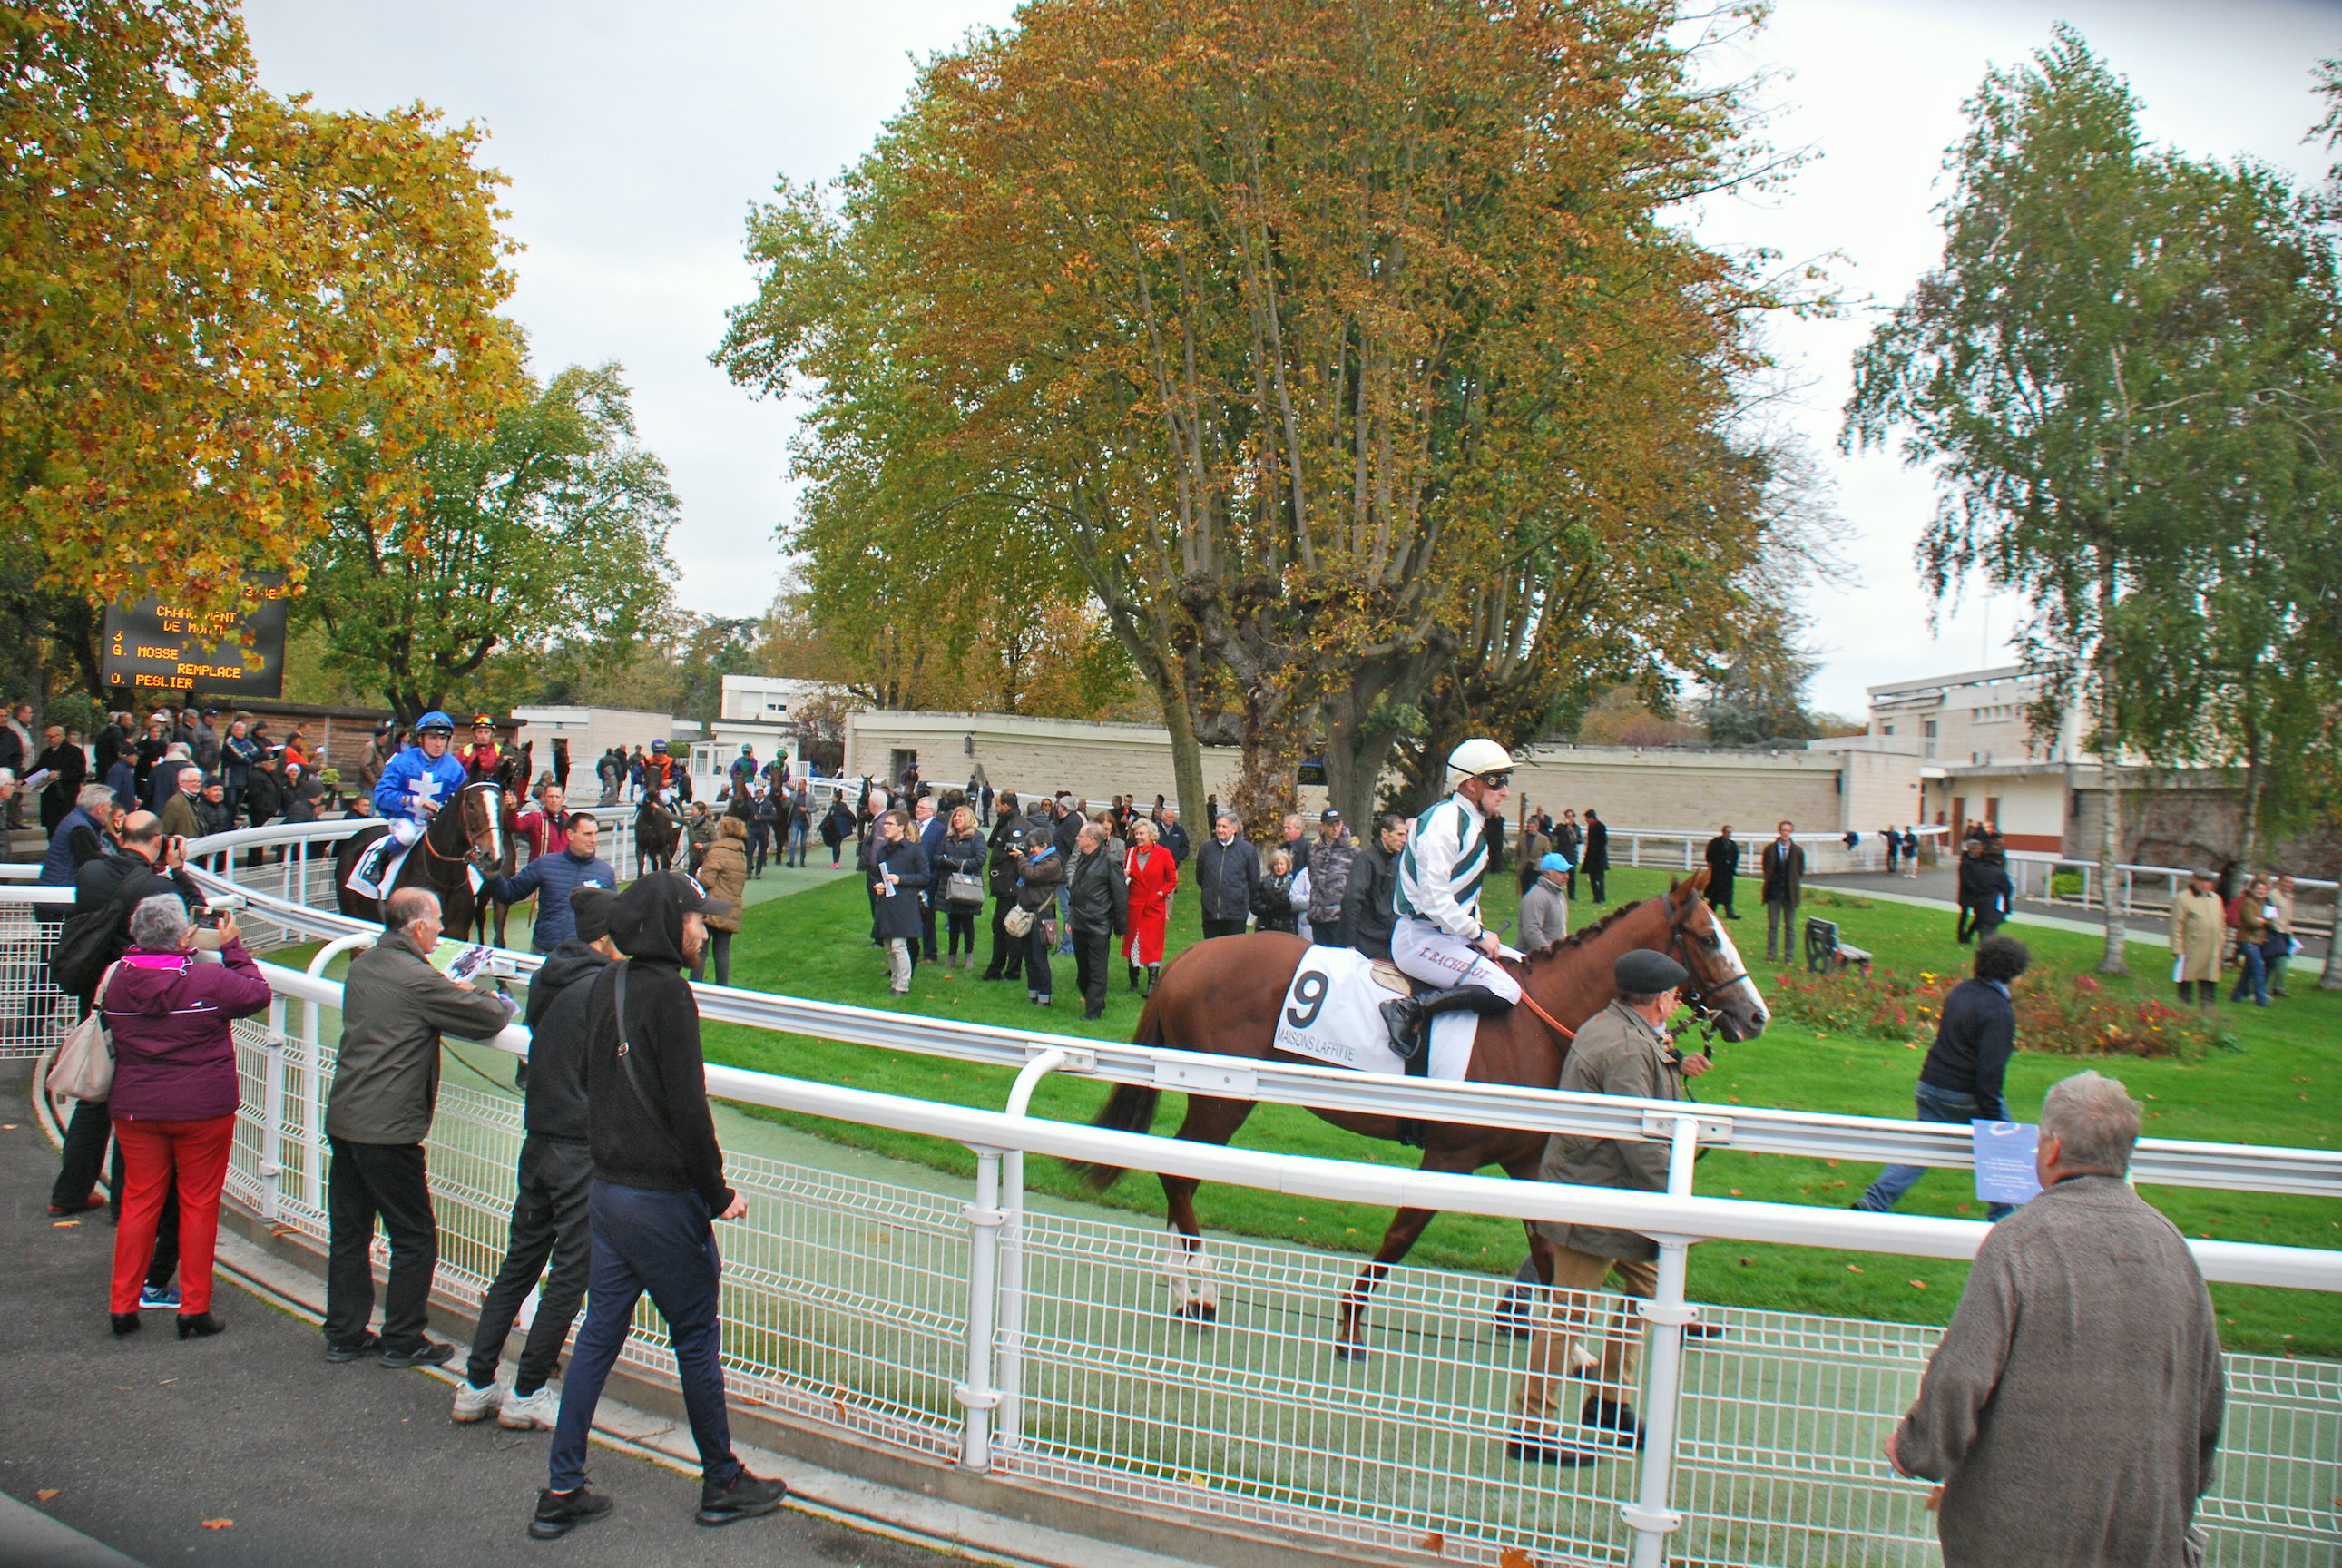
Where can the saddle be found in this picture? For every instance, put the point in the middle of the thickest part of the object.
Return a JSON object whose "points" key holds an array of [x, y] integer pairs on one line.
{"points": [[1391, 977]]}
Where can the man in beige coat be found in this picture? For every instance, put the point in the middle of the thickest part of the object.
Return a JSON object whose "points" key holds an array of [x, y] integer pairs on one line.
{"points": [[1622, 1050], [2199, 930]]}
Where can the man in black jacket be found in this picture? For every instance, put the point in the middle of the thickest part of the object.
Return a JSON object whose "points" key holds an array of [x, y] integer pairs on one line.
{"points": [[1368, 914], [659, 1180], [1723, 866], [556, 1174], [1597, 862], [1000, 880], [1098, 905], [1961, 1080], [1227, 871], [1782, 863]]}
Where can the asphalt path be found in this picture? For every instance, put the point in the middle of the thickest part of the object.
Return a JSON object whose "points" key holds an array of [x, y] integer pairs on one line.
{"points": [[149, 1442]]}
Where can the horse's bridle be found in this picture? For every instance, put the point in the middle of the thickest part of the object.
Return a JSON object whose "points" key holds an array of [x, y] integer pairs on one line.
{"points": [[1694, 995], [454, 803]]}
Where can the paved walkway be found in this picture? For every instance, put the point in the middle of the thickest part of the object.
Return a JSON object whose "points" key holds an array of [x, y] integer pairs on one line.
{"points": [[144, 1440]]}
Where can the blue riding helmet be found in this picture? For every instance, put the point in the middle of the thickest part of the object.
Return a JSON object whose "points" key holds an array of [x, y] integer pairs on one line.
{"points": [[658, 746], [435, 720]]}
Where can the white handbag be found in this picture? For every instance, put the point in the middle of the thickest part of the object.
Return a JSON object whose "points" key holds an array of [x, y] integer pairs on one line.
{"points": [[84, 1065]]}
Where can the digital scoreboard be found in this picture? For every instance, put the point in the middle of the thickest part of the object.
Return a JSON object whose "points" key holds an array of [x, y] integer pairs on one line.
{"points": [[167, 649]]}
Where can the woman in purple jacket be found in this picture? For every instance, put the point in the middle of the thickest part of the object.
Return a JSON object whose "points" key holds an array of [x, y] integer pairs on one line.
{"points": [[174, 1097]]}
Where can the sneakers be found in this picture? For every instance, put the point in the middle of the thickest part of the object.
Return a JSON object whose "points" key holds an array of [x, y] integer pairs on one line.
{"points": [[530, 1411], [745, 1497], [476, 1404], [430, 1352], [364, 1345], [152, 1299], [559, 1513]]}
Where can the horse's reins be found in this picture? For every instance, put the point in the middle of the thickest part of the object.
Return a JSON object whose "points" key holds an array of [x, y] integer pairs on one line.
{"points": [[1695, 996]]}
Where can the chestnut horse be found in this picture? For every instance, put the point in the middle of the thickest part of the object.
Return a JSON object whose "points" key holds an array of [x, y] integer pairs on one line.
{"points": [[1221, 996], [465, 834]]}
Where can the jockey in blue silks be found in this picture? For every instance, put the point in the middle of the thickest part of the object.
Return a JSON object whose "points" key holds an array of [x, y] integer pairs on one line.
{"points": [[417, 782]]}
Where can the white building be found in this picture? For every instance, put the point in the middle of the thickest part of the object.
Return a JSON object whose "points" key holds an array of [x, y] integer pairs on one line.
{"points": [[1979, 756], [587, 732]]}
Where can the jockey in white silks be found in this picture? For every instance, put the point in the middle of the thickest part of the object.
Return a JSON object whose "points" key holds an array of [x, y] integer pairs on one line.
{"points": [[413, 785], [1439, 938]]}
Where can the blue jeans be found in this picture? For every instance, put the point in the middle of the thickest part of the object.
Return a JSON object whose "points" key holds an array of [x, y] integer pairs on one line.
{"points": [[2253, 980], [1948, 1106], [660, 1242], [1064, 922]]}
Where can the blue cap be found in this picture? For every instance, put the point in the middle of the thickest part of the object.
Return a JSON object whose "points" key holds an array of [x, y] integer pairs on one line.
{"points": [[1555, 862]]}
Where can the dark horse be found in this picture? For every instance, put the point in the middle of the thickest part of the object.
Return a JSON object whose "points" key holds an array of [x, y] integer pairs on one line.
{"points": [[657, 832], [1221, 996], [466, 835], [514, 776]]}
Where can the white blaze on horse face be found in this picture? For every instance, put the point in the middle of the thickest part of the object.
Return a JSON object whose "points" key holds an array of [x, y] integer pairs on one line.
{"points": [[1732, 957]]}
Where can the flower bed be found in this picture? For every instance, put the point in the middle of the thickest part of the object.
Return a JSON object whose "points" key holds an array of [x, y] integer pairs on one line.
{"points": [[2065, 1016]]}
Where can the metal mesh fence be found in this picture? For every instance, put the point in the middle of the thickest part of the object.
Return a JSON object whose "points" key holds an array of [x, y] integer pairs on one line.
{"points": [[846, 1302], [33, 1012]]}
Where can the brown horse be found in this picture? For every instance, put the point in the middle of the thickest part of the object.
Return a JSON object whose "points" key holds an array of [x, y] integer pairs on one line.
{"points": [[1221, 996], [465, 834]]}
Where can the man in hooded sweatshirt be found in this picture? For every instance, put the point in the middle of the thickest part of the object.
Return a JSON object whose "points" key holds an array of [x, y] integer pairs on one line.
{"points": [[659, 1180], [556, 1174]]}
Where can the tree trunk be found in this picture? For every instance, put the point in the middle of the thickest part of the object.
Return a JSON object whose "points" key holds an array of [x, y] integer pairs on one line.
{"points": [[2330, 978], [2109, 856], [2248, 850]]}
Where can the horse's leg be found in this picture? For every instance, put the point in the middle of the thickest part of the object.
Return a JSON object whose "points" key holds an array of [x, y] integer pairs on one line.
{"points": [[1450, 1158], [1194, 1293]]}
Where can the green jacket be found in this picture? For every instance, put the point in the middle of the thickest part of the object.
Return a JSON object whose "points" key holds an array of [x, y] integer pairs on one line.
{"points": [[1614, 1053], [386, 1074]]}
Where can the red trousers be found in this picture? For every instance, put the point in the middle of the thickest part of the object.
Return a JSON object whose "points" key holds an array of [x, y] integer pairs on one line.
{"points": [[152, 1152]]}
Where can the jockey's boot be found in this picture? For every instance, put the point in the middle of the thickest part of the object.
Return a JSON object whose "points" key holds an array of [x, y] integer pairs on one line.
{"points": [[1154, 977], [1409, 1017]]}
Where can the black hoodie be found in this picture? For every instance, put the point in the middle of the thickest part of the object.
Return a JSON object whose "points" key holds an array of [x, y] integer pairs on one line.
{"points": [[662, 1136], [553, 1077]]}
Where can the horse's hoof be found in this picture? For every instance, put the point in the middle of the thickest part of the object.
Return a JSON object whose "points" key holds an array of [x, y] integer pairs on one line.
{"points": [[1345, 1351]]}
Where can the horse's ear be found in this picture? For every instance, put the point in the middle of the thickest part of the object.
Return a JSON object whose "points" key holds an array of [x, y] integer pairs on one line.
{"points": [[1699, 880]]}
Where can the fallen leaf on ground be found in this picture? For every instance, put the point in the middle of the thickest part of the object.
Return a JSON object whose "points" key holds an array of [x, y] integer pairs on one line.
{"points": [[1514, 1557], [62, 1224], [45, 1493], [1854, 1268], [219, 1524], [1918, 1285], [1434, 1544]]}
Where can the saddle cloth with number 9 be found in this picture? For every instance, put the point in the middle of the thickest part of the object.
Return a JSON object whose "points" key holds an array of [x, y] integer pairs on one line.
{"points": [[1332, 1013]]}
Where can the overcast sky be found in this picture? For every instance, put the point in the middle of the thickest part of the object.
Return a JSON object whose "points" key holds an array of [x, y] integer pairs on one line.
{"points": [[636, 137]]}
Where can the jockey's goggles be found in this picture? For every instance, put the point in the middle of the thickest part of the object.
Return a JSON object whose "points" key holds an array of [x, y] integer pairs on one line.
{"points": [[1501, 779]]}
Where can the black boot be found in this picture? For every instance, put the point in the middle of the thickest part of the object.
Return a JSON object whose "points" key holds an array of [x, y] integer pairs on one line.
{"points": [[1614, 1420], [1154, 977], [1133, 976], [1409, 1017], [124, 1322], [199, 1325]]}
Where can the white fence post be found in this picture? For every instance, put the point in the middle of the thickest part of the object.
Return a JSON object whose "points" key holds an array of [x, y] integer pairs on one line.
{"points": [[272, 1103], [976, 1393], [1651, 1514], [1008, 1375]]}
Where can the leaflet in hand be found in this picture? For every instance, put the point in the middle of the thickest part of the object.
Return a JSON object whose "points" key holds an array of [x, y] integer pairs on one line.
{"points": [[459, 960], [40, 778], [2004, 1161]]}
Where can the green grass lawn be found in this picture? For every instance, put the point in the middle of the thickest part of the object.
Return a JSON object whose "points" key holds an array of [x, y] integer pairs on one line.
{"points": [[2274, 1089]]}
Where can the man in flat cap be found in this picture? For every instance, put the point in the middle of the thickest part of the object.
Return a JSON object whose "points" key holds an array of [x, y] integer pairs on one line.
{"points": [[1622, 1050]]}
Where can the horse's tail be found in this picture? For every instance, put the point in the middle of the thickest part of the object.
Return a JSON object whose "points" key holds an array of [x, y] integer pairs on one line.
{"points": [[1129, 1109]]}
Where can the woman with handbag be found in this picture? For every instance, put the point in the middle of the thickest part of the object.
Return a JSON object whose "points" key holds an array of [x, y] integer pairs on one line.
{"points": [[174, 1096], [1152, 876], [898, 871], [960, 865], [724, 873]]}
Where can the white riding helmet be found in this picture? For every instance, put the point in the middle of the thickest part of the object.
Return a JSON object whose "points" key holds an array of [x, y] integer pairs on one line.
{"points": [[1475, 757]]}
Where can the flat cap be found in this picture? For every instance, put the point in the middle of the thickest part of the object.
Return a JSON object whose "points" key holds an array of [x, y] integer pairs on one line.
{"points": [[1646, 972]]}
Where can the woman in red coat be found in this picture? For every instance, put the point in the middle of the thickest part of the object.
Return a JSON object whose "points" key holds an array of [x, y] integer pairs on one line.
{"points": [[1153, 876]]}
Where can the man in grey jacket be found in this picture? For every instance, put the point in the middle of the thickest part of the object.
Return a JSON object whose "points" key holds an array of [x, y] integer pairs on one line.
{"points": [[395, 1006], [2072, 1408], [1545, 907], [1622, 1050]]}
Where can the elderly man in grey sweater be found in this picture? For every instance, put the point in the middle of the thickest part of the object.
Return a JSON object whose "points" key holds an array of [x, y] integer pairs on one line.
{"points": [[1544, 906], [2073, 1405]]}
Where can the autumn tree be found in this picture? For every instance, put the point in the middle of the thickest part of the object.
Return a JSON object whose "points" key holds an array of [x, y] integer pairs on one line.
{"points": [[549, 530], [1282, 320], [205, 290]]}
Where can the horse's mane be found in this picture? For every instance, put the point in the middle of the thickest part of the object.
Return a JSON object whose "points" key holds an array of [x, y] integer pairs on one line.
{"points": [[1562, 944]]}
